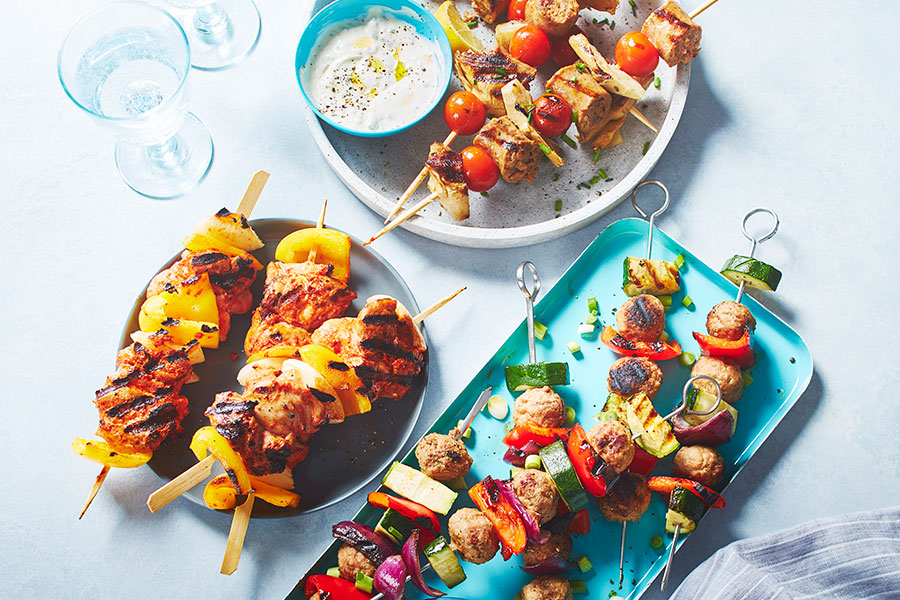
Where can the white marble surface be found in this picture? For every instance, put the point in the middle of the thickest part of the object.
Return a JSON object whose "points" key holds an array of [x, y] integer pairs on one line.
{"points": [[790, 106]]}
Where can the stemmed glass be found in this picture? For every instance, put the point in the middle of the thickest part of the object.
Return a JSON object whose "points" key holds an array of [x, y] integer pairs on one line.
{"points": [[221, 32], [126, 66]]}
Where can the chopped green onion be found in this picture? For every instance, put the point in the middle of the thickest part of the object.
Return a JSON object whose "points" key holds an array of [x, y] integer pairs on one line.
{"points": [[596, 154], [586, 330], [612, 593], [608, 415], [574, 116], [573, 347], [512, 473], [540, 330], [602, 173], [656, 542], [596, 22], [666, 300], [333, 572], [608, 179], [467, 433], [584, 564], [679, 261], [664, 336], [591, 319], [557, 205], [747, 379], [570, 417], [532, 461], [498, 407], [363, 582], [592, 304], [569, 141], [594, 179], [581, 67], [556, 177], [484, 194], [457, 484], [633, 7], [687, 302], [578, 586], [545, 149], [687, 359], [612, 24], [501, 71], [645, 148], [602, 22], [657, 82]]}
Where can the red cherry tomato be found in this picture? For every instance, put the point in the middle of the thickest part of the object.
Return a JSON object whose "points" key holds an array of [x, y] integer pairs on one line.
{"points": [[561, 51], [516, 10], [552, 115], [530, 45], [464, 113], [481, 172], [636, 55]]}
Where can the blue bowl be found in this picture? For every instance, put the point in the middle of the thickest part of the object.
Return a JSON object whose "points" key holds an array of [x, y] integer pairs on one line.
{"points": [[344, 12]]}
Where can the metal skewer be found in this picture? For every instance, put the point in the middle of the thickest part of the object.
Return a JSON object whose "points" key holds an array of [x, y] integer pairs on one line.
{"points": [[476, 408], [665, 577], [530, 296], [754, 240], [622, 556], [380, 595], [652, 217]]}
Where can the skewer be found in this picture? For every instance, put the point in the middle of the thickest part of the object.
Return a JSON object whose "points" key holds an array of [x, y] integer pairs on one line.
{"points": [[251, 195], [530, 296], [181, 484], [403, 217], [653, 215], [319, 224], [236, 536], [380, 595], [416, 183], [703, 7], [622, 556], [101, 477], [476, 408], [665, 577], [754, 241], [640, 117], [437, 305]]}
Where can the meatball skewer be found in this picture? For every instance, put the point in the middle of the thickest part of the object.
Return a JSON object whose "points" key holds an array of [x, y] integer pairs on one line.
{"points": [[444, 457], [626, 501]]}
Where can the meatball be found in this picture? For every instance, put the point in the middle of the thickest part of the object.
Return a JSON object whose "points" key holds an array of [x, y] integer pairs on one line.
{"points": [[641, 319], [559, 543], [726, 373], [700, 463], [547, 587], [539, 406], [626, 500], [537, 493], [612, 441], [631, 375], [472, 536], [351, 560], [442, 457], [729, 319]]}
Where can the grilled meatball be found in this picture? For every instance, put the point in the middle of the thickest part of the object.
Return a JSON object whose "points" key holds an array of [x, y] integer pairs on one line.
{"points": [[442, 458], [472, 536], [547, 587], [631, 375], [726, 373], [641, 319], [700, 463], [539, 406], [612, 441], [626, 500], [729, 319], [559, 543], [537, 493], [553, 17], [351, 560]]}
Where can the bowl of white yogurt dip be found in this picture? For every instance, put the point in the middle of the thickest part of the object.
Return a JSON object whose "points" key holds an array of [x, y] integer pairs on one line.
{"points": [[373, 68]]}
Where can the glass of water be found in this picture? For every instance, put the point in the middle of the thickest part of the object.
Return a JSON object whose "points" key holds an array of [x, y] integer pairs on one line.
{"points": [[126, 66], [221, 32]]}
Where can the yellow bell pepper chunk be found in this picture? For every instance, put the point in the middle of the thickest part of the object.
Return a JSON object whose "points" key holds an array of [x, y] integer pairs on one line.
{"points": [[340, 375], [221, 495], [153, 317], [193, 300], [207, 439], [332, 247], [198, 242], [103, 453], [276, 352], [274, 495]]}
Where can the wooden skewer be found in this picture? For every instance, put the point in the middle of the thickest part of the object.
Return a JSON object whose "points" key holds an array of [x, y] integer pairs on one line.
{"points": [[640, 117], [436, 306], [181, 484], [251, 195], [319, 224], [403, 217], [705, 5], [235, 544], [101, 477], [416, 183]]}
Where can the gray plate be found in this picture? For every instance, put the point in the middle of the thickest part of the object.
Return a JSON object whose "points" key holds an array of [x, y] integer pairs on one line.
{"points": [[342, 458], [378, 170]]}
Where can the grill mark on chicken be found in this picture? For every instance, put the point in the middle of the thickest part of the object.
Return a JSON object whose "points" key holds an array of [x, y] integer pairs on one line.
{"points": [[160, 416], [322, 396], [207, 258], [485, 73], [380, 319], [665, 15], [338, 366], [120, 409], [448, 165], [223, 408], [378, 345]]}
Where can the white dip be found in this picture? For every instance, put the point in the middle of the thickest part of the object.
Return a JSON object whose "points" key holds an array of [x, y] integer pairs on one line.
{"points": [[375, 75]]}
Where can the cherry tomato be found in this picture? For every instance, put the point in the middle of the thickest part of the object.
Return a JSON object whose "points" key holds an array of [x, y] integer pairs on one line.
{"points": [[552, 115], [561, 51], [636, 55], [530, 45], [481, 172], [516, 10], [464, 113]]}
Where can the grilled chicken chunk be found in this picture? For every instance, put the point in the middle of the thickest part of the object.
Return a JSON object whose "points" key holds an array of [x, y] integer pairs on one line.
{"points": [[489, 10], [303, 294], [448, 180], [675, 35], [553, 17], [485, 73], [608, 6], [382, 344], [589, 101], [271, 332], [618, 111], [516, 155], [230, 276]]}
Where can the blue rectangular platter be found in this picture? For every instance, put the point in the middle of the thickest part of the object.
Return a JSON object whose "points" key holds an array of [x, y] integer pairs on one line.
{"points": [[781, 374]]}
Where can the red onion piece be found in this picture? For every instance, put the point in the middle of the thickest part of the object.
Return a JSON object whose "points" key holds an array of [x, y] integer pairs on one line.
{"points": [[410, 555], [390, 577], [516, 457], [365, 539], [554, 565], [559, 523], [532, 529]]}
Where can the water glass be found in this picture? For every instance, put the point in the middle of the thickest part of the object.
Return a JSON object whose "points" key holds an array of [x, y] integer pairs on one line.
{"points": [[221, 32]]}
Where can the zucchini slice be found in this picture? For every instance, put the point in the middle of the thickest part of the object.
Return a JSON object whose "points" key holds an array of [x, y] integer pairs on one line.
{"points": [[686, 503], [557, 464], [522, 377], [674, 518], [702, 401], [395, 526], [444, 562], [418, 487], [755, 273]]}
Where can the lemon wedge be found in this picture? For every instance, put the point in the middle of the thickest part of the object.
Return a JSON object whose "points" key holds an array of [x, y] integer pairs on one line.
{"points": [[460, 36]]}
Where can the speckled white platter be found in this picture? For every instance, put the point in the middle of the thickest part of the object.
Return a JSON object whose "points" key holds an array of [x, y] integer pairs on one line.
{"points": [[378, 170]]}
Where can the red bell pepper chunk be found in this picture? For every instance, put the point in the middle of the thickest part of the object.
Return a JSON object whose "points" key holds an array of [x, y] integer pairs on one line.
{"points": [[665, 485], [737, 350], [581, 523], [501, 514], [589, 466], [643, 462], [422, 516], [542, 436], [652, 350], [333, 588]]}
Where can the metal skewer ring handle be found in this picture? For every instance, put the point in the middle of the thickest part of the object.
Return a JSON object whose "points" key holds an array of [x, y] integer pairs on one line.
{"points": [[654, 214], [530, 296], [754, 241], [683, 407]]}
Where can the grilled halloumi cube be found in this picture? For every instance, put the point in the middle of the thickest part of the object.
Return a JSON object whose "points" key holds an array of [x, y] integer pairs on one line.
{"points": [[654, 277]]}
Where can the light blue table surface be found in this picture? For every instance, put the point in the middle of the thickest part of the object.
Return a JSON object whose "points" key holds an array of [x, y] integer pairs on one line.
{"points": [[791, 106]]}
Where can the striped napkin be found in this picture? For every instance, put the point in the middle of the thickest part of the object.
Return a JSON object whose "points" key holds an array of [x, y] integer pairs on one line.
{"points": [[854, 556]]}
